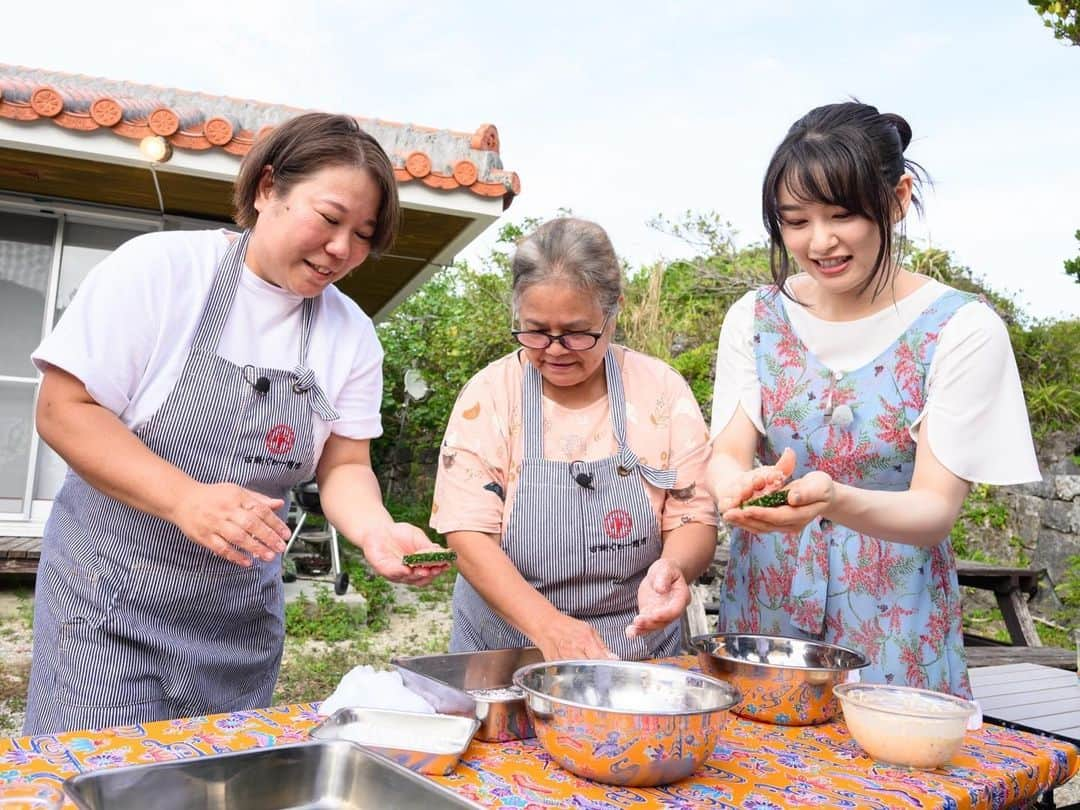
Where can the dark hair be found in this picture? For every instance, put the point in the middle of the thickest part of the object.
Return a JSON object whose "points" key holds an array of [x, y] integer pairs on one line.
{"points": [[848, 155], [572, 250], [306, 144]]}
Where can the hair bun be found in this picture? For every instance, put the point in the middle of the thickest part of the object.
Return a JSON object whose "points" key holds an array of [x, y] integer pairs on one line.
{"points": [[903, 128]]}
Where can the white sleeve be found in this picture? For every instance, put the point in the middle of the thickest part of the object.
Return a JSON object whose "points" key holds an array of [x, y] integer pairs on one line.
{"points": [[360, 399], [978, 424], [736, 382], [106, 336]]}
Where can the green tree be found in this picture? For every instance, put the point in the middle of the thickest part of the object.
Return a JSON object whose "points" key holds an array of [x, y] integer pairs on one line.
{"points": [[673, 310], [447, 330], [1047, 351], [1060, 16], [1072, 266]]}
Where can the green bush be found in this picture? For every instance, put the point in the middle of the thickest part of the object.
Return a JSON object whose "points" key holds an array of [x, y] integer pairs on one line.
{"points": [[1048, 358], [980, 511], [459, 321]]}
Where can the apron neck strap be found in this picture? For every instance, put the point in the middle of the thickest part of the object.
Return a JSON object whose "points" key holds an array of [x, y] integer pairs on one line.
{"points": [[306, 321], [532, 407], [222, 294], [304, 381]]}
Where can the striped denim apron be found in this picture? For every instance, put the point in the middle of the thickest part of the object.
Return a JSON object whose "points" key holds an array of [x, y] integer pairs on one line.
{"points": [[585, 550], [134, 622]]}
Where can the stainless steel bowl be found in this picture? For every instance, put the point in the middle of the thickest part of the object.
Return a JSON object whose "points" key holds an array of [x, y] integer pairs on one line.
{"points": [[623, 722], [787, 681], [474, 684]]}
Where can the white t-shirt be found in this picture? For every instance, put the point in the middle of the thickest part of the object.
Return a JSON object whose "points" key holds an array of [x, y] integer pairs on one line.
{"points": [[130, 327], [979, 428]]}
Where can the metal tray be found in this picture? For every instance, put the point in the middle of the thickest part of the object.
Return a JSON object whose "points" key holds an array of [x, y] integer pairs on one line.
{"points": [[309, 776], [435, 741], [446, 681]]}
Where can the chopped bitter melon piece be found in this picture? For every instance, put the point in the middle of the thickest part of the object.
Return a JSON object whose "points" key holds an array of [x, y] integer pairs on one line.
{"points": [[772, 499], [429, 557]]}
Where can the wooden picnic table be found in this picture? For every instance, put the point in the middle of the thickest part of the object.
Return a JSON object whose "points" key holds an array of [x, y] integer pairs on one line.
{"points": [[1012, 587]]}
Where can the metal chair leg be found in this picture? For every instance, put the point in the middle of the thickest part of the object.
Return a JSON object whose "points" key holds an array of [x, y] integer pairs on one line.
{"points": [[335, 552], [296, 532], [341, 578]]}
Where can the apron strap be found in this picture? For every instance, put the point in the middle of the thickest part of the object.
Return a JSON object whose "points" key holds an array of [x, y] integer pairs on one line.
{"points": [[532, 422], [305, 381], [222, 294], [532, 414], [627, 459]]}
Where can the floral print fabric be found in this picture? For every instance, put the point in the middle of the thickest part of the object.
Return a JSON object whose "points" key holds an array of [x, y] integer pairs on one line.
{"points": [[753, 765], [898, 604]]}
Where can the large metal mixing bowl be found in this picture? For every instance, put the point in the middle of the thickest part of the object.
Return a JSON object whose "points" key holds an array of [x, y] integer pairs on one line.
{"points": [[787, 681], [623, 722]]}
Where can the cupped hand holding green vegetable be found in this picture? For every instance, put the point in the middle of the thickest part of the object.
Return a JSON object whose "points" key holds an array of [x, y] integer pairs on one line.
{"points": [[775, 507], [737, 488]]}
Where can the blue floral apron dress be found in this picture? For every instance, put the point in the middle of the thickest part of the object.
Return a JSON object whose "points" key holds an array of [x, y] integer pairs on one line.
{"points": [[897, 603]]}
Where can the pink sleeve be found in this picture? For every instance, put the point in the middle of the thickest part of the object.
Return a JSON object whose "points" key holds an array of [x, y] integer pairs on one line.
{"points": [[471, 483], [687, 501]]}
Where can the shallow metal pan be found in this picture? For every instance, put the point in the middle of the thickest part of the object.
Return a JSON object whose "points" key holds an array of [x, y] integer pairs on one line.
{"points": [[426, 743], [330, 775]]}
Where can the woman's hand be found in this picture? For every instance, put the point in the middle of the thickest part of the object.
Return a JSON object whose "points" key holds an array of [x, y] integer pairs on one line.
{"points": [[384, 546], [565, 638], [233, 522], [808, 498], [742, 486], [662, 597]]}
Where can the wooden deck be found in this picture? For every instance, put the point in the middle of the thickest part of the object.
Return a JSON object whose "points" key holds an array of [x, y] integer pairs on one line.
{"points": [[19, 555]]}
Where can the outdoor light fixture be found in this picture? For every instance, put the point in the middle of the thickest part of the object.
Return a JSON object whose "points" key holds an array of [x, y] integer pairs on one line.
{"points": [[156, 148]]}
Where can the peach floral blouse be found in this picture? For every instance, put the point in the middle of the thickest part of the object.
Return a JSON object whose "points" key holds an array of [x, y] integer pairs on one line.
{"points": [[481, 453]]}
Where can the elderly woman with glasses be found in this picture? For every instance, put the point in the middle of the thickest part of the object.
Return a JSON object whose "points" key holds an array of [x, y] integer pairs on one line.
{"points": [[568, 478]]}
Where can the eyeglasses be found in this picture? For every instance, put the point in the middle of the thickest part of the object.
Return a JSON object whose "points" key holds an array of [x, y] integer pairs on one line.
{"points": [[574, 341]]}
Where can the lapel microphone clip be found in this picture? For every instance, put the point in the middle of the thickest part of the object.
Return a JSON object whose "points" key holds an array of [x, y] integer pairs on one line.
{"points": [[582, 479], [260, 384]]}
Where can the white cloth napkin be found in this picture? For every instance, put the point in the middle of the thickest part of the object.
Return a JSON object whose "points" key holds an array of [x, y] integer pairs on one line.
{"points": [[975, 721], [365, 687]]}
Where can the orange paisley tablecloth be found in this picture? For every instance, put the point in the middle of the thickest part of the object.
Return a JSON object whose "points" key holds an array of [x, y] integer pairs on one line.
{"points": [[754, 766]]}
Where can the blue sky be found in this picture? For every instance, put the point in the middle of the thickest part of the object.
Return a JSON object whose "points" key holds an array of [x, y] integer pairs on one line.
{"points": [[624, 110]]}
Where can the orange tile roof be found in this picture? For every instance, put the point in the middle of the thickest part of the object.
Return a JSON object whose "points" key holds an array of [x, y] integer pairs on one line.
{"points": [[439, 158]]}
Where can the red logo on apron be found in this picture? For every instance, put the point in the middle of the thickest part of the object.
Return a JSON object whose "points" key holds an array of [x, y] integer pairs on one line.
{"points": [[280, 440], [617, 524]]}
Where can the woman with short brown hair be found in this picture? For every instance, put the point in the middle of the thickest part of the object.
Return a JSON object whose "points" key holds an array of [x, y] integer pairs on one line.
{"points": [[195, 379]]}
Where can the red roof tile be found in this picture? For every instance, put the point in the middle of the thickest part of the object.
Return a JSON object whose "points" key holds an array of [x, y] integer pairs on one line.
{"points": [[438, 158]]}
